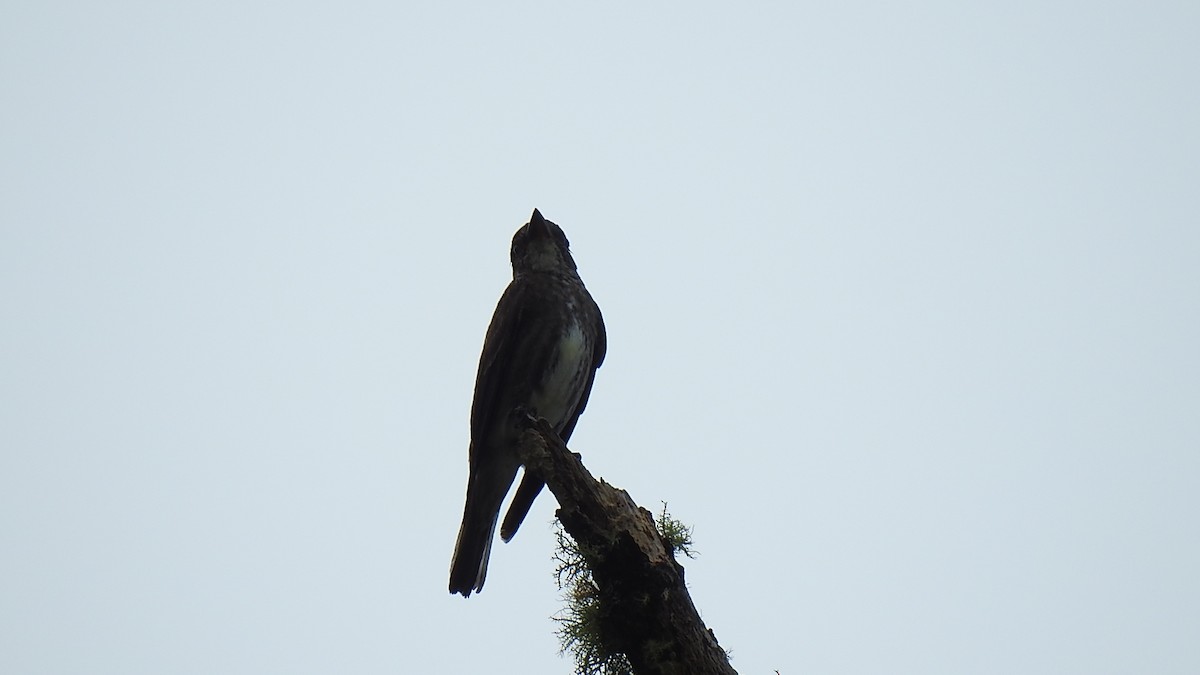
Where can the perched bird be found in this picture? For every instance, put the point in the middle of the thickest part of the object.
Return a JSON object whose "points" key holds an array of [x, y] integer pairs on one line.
{"points": [[542, 349]]}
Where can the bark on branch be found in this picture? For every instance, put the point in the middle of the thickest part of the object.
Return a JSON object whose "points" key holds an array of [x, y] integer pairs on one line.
{"points": [[646, 611]]}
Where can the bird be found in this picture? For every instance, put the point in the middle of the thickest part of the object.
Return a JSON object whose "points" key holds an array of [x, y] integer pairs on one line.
{"points": [[540, 355]]}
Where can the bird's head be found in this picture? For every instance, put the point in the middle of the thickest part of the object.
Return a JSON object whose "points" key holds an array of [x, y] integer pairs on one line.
{"points": [[541, 246]]}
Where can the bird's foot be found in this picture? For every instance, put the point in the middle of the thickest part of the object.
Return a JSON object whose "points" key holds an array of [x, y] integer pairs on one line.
{"points": [[525, 413]]}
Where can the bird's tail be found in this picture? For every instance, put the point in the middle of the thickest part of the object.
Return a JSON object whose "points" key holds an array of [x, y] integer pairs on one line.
{"points": [[519, 508], [469, 567], [485, 495]]}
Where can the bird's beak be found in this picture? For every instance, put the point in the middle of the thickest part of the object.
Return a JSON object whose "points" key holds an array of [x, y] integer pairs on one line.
{"points": [[537, 225]]}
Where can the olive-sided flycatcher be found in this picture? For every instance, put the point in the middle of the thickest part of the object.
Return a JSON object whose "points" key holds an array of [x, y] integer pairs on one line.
{"points": [[542, 349]]}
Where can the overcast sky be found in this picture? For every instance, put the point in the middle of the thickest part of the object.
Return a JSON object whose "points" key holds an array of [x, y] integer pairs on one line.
{"points": [[903, 309]]}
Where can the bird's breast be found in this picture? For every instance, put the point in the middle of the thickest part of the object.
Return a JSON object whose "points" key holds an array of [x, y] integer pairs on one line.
{"points": [[558, 395]]}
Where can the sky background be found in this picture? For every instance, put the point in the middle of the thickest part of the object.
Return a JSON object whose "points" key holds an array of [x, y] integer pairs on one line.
{"points": [[903, 309]]}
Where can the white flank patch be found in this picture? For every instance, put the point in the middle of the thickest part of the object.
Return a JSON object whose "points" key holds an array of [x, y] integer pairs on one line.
{"points": [[558, 395]]}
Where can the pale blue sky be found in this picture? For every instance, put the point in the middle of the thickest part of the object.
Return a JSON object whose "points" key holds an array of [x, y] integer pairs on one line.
{"points": [[903, 308]]}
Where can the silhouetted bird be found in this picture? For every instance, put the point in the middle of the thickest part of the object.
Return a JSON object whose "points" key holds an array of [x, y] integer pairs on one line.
{"points": [[542, 349]]}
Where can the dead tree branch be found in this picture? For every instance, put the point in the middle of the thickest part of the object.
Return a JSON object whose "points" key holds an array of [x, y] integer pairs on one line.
{"points": [[645, 609]]}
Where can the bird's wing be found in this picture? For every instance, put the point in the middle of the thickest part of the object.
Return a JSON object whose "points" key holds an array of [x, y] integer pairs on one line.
{"points": [[597, 359], [601, 338], [501, 360]]}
